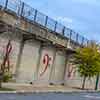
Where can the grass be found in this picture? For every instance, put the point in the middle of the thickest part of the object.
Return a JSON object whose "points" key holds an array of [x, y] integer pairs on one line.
{"points": [[6, 89]]}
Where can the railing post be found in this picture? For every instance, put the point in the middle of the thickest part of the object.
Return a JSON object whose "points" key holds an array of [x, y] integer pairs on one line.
{"points": [[70, 34], [55, 26], [22, 9], [6, 4], [77, 38], [63, 31], [46, 20], [87, 42], [35, 15], [82, 41]]}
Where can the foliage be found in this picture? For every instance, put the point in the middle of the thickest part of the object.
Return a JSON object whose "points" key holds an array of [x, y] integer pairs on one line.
{"points": [[6, 77], [87, 61], [6, 89]]}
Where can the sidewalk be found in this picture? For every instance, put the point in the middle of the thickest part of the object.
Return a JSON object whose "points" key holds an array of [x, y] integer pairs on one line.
{"points": [[28, 88]]}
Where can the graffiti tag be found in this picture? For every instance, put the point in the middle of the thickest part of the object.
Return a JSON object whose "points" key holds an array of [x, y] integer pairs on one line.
{"points": [[71, 72], [6, 61], [46, 61]]}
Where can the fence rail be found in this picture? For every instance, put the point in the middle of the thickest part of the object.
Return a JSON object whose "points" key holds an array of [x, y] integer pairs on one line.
{"points": [[24, 10]]}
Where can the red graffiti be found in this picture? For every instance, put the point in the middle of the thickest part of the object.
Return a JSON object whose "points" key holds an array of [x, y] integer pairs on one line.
{"points": [[71, 72], [6, 57], [46, 60]]}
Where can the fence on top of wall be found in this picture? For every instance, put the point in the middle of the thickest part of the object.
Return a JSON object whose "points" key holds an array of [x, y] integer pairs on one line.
{"points": [[23, 10]]}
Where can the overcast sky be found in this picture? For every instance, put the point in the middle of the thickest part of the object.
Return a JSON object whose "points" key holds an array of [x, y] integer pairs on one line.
{"points": [[83, 16]]}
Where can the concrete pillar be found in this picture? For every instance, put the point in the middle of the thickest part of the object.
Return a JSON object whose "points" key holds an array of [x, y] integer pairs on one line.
{"points": [[19, 57], [52, 72], [72, 77], [38, 63], [57, 74], [65, 70], [45, 78]]}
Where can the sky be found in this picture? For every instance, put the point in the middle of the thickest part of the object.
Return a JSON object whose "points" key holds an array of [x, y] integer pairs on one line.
{"points": [[83, 16]]}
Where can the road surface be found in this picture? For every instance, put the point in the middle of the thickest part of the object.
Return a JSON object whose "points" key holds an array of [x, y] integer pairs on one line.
{"points": [[51, 96]]}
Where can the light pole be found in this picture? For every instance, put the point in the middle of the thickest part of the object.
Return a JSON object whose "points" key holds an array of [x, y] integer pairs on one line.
{"points": [[97, 78], [97, 82]]}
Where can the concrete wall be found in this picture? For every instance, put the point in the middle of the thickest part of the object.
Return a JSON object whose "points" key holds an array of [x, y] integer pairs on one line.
{"points": [[15, 42], [29, 61], [45, 65], [73, 79], [59, 68], [33, 59]]}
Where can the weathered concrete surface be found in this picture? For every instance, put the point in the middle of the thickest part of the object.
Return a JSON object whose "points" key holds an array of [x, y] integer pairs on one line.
{"points": [[33, 28], [27, 88], [29, 69], [73, 79], [59, 67], [15, 42], [36, 29], [47, 55], [30, 60]]}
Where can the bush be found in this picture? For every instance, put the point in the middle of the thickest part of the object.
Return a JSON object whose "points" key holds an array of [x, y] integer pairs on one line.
{"points": [[7, 77]]}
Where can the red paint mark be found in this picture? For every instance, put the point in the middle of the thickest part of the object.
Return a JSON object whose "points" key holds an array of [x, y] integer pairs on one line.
{"points": [[71, 72], [6, 57], [46, 60]]}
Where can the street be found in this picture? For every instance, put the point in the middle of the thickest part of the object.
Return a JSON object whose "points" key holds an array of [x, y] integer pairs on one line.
{"points": [[51, 96]]}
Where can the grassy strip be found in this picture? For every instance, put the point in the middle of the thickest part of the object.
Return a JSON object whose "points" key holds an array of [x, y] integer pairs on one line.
{"points": [[6, 89]]}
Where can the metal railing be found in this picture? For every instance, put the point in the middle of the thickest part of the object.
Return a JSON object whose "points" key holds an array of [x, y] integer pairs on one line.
{"points": [[25, 11]]}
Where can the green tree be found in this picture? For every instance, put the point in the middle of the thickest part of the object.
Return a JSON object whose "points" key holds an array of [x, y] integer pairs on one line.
{"points": [[87, 61]]}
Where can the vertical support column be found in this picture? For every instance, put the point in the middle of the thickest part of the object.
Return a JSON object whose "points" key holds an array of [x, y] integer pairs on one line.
{"points": [[52, 69], [38, 63], [19, 56], [66, 67], [66, 61]]}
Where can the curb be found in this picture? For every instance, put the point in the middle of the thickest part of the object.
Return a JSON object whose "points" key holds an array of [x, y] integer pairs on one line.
{"points": [[45, 91]]}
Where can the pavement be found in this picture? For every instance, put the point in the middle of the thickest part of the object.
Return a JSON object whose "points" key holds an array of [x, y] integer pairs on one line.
{"points": [[30, 88], [50, 96]]}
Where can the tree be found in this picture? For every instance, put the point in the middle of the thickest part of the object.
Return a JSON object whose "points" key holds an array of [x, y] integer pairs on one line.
{"points": [[5, 65], [87, 61]]}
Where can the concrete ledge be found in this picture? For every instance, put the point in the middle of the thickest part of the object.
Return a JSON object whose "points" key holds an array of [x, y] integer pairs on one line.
{"points": [[28, 88]]}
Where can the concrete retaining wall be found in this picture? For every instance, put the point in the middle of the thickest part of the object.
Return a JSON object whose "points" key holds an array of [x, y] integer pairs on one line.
{"points": [[46, 63], [13, 54], [40, 64], [29, 61], [58, 68], [73, 79]]}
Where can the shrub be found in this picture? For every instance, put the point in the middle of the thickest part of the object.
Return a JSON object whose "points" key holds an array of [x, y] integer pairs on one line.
{"points": [[7, 77]]}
